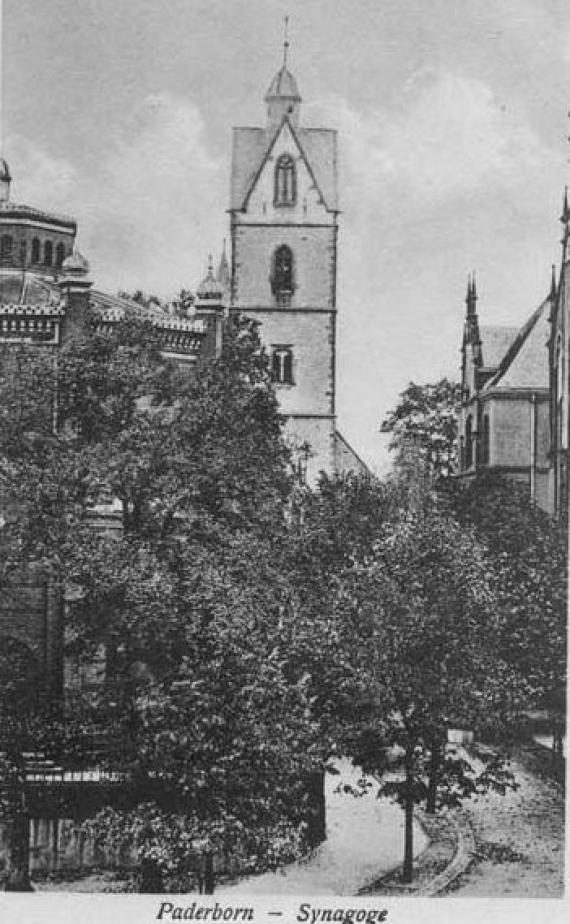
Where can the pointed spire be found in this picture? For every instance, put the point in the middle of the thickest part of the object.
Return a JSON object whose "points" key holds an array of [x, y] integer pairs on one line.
{"points": [[553, 285], [285, 40], [223, 274], [471, 297], [565, 217]]}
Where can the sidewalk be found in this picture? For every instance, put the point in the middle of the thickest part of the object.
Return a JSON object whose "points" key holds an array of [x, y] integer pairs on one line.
{"points": [[365, 838], [519, 840]]}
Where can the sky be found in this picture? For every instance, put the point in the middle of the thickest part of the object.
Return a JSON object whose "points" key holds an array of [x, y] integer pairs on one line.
{"points": [[452, 121]]}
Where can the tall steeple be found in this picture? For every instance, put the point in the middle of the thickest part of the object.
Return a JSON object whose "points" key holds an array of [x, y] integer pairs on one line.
{"points": [[283, 97], [565, 219], [472, 335]]}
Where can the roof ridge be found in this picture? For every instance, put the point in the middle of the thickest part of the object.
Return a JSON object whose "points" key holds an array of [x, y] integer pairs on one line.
{"points": [[516, 345], [267, 154]]}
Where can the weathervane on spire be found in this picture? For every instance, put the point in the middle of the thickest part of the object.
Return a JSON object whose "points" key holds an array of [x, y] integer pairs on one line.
{"points": [[285, 40]]}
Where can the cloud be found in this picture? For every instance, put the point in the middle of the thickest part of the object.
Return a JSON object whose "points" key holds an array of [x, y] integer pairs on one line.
{"points": [[450, 137], [156, 205], [39, 178], [151, 203]]}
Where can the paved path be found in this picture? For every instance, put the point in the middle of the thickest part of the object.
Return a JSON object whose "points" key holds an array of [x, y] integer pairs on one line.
{"points": [[365, 838], [519, 840]]}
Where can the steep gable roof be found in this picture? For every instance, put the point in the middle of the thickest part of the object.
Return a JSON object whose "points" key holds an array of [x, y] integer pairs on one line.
{"points": [[525, 364], [252, 147], [495, 341]]}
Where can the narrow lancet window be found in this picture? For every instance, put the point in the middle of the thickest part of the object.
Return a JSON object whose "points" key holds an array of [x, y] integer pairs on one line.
{"points": [[282, 283], [285, 181]]}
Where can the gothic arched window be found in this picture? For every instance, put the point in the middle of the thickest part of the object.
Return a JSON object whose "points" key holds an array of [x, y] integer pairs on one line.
{"points": [[285, 181], [59, 254], [485, 441], [6, 247], [468, 443], [282, 282], [48, 253], [282, 365], [36, 250]]}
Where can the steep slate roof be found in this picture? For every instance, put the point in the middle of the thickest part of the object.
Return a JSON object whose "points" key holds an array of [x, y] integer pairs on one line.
{"points": [[525, 364], [251, 146], [495, 341]]}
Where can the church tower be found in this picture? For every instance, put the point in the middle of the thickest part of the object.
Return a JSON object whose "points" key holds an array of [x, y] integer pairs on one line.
{"points": [[284, 228]]}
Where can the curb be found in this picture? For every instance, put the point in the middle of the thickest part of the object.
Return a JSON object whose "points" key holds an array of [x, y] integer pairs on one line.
{"points": [[464, 853]]}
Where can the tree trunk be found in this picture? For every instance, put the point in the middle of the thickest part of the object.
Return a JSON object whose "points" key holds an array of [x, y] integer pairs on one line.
{"points": [[408, 870], [435, 758], [209, 874], [150, 880]]}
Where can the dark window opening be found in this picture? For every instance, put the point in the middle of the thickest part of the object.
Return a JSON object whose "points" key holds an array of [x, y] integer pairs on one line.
{"points": [[35, 250], [6, 247], [282, 284], [285, 181], [282, 365], [59, 254], [468, 444], [48, 253], [485, 445]]}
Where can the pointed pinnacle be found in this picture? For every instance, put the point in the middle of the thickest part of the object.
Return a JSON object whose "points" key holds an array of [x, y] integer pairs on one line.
{"points": [[553, 284], [565, 217]]}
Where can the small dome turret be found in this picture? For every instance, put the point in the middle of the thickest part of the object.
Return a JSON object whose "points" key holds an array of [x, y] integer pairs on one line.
{"points": [[283, 98], [75, 265], [210, 289], [5, 175], [5, 180], [283, 86]]}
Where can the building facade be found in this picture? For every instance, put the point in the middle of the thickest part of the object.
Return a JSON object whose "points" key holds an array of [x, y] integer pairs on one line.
{"points": [[45, 294], [503, 419], [559, 353], [284, 227]]}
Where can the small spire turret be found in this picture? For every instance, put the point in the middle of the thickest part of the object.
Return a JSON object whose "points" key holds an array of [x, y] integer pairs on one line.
{"points": [[283, 96], [553, 285]]}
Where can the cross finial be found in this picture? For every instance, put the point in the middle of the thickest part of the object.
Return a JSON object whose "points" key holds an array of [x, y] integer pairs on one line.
{"points": [[285, 40]]}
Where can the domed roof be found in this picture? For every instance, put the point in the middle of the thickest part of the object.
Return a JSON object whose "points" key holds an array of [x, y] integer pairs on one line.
{"points": [[210, 288], [26, 288], [5, 176], [283, 86], [75, 264]]}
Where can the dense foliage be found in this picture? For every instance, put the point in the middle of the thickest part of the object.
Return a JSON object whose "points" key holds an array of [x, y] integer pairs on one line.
{"points": [[425, 419], [229, 629]]}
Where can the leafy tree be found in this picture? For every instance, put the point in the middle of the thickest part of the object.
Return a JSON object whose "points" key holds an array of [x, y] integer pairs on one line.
{"points": [[185, 600], [425, 420], [424, 635], [530, 556]]}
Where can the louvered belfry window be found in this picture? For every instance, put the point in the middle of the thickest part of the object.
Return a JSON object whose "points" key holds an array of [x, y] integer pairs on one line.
{"points": [[282, 283]]}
